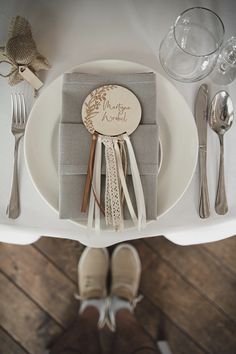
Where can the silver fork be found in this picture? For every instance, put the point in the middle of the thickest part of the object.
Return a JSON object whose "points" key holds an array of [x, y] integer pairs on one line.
{"points": [[18, 129]]}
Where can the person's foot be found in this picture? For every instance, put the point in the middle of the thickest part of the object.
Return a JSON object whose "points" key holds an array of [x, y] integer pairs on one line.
{"points": [[126, 272], [92, 273]]}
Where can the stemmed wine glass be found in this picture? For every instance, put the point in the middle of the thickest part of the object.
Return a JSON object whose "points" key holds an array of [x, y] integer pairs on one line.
{"points": [[225, 70], [190, 49]]}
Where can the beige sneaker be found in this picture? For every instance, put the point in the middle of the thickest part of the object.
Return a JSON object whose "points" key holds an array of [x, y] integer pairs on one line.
{"points": [[92, 273], [126, 272]]}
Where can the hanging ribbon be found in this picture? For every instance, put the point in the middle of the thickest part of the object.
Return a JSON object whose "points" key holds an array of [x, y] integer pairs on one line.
{"points": [[121, 144], [94, 207], [97, 182], [115, 185], [89, 176], [113, 209], [138, 189], [123, 183]]}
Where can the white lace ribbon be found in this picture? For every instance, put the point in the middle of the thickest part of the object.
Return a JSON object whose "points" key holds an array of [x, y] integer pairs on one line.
{"points": [[113, 208]]}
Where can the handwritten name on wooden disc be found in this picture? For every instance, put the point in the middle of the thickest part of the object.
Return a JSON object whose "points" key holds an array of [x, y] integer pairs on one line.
{"points": [[111, 110]]}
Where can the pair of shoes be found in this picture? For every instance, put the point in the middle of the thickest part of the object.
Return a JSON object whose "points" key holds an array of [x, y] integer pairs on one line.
{"points": [[93, 269]]}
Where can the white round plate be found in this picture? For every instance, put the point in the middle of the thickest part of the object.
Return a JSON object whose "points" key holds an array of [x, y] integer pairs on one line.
{"points": [[178, 136]]}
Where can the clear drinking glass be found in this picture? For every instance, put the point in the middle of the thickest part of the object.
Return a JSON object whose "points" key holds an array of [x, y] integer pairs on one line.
{"points": [[225, 70], [189, 51]]}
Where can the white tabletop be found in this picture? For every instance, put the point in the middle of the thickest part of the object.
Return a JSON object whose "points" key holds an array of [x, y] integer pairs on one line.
{"points": [[73, 32]]}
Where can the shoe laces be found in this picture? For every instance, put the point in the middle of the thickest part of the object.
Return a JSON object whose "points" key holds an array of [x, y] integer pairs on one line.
{"points": [[136, 300], [102, 321], [106, 314], [77, 297], [111, 315]]}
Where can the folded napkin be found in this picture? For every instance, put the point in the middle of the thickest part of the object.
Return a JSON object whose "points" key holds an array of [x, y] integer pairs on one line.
{"points": [[74, 141]]}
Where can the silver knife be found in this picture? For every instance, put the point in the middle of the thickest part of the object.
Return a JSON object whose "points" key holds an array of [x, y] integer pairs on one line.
{"points": [[201, 111]]}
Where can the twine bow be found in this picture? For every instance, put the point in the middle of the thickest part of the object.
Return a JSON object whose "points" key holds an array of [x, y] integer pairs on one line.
{"points": [[21, 49]]}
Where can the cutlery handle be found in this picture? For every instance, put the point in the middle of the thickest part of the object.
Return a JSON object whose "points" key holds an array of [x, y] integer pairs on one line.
{"points": [[13, 209], [221, 205], [204, 204]]}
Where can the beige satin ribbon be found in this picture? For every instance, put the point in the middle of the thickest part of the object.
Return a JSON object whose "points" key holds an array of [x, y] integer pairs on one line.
{"points": [[121, 144], [138, 189]]}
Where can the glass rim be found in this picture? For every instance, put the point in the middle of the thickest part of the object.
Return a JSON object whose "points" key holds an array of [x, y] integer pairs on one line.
{"points": [[202, 8]]}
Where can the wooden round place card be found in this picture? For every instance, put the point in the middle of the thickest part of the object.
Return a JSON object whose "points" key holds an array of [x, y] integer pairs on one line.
{"points": [[111, 110]]}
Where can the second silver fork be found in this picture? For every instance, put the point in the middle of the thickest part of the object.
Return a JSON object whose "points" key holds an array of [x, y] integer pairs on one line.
{"points": [[18, 129]]}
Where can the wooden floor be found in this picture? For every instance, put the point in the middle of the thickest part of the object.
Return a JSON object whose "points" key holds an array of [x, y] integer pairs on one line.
{"points": [[189, 294]]}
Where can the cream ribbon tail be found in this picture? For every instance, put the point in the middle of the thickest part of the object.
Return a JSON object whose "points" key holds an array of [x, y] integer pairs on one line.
{"points": [[138, 189]]}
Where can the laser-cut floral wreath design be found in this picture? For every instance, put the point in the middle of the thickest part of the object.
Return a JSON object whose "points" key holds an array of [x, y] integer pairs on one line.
{"points": [[96, 98]]}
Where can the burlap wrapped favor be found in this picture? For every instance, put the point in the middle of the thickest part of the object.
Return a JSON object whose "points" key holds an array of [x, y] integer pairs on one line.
{"points": [[21, 49]]}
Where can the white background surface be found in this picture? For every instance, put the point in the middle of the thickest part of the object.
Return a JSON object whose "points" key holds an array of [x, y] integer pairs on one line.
{"points": [[76, 31]]}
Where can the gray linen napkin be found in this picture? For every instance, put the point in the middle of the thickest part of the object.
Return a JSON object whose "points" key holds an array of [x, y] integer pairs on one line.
{"points": [[74, 141]]}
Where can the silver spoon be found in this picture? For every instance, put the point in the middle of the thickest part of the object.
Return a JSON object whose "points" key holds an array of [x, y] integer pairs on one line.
{"points": [[220, 120]]}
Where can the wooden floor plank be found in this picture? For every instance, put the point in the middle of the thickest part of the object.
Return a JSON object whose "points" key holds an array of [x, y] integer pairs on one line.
{"points": [[224, 251], [186, 307], [8, 344], [144, 253], [149, 317], [39, 278], [24, 320], [64, 253], [156, 323], [202, 271]]}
